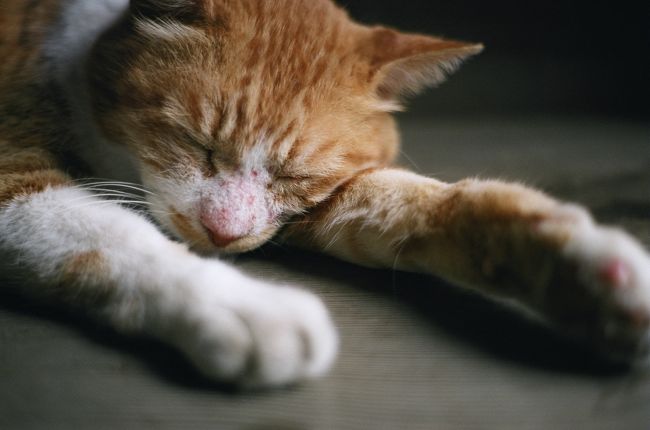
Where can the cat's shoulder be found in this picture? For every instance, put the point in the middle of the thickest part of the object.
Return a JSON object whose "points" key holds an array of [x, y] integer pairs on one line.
{"points": [[43, 94], [43, 37]]}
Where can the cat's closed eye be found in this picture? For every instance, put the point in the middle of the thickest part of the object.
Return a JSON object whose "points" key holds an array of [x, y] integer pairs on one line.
{"points": [[209, 156]]}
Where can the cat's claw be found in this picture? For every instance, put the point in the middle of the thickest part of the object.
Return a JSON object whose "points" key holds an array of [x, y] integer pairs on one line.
{"points": [[271, 336]]}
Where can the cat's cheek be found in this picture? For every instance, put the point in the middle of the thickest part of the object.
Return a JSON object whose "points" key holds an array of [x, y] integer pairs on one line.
{"points": [[173, 203], [190, 230]]}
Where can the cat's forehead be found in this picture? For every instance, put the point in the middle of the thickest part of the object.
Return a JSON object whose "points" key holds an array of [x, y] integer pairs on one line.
{"points": [[255, 70], [283, 57]]}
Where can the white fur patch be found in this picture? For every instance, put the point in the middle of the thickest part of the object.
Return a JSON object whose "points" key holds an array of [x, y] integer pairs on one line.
{"points": [[624, 294], [66, 50], [222, 320]]}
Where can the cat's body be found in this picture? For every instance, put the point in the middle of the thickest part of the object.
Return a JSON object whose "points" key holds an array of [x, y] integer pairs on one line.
{"points": [[233, 117]]}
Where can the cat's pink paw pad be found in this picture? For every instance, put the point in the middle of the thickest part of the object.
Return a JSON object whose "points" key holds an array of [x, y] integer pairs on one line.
{"points": [[615, 273], [615, 270]]}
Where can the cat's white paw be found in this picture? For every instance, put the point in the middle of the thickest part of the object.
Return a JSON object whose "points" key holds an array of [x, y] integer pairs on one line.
{"points": [[614, 269], [256, 335]]}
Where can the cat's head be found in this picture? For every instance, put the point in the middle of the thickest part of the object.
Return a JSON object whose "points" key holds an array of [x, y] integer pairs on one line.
{"points": [[245, 113]]}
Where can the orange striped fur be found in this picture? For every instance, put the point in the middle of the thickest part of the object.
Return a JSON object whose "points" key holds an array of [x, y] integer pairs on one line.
{"points": [[238, 116]]}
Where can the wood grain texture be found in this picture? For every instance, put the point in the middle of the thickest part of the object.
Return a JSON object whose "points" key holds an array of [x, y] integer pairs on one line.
{"points": [[416, 353]]}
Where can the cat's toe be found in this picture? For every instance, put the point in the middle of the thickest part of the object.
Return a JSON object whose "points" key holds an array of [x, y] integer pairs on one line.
{"points": [[218, 344], [274, 336], [293, 342]]}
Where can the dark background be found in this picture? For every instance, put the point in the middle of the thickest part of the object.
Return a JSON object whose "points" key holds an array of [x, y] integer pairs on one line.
{"points": [[582, 58]]}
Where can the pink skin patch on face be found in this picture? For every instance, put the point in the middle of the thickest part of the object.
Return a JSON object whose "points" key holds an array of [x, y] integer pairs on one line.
{"points": [[233, 206]]}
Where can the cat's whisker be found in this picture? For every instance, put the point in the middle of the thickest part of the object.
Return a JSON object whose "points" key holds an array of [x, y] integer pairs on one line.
{"points": [[161, 174], [121, 185], [89, 182], [327, 228], [132, 202], [105, 184], [437, 174], [91, 179], [409, 159], [118, 197], [335, 237], [109, 192], [117, 192], [112, 196]]}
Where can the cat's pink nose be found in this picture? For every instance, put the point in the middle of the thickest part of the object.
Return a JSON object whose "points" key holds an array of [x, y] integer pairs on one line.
{"points": [[233, 207], [221, 240], [226, 226]]}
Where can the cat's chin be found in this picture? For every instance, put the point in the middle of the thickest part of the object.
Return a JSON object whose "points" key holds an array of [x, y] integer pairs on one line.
{"points": [[244, 244]]}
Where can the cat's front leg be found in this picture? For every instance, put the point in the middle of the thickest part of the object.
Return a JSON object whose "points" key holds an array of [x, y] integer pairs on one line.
{"points": [[501, 239], [111, 263]]}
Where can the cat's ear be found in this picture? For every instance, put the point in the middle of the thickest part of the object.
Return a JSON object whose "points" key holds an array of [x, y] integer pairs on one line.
{"points": [[165, 8], [402, 63]]}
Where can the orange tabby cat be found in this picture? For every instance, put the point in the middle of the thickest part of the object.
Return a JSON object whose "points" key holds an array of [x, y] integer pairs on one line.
{"points": [[232, 117]]}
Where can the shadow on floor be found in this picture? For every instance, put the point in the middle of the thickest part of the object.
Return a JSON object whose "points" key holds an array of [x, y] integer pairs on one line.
{"points": [[161, 359], [468, 317], [464, 315]]}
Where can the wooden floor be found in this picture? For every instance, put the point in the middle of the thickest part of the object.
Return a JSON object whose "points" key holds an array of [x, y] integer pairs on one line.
{"points": [[416, 353]]}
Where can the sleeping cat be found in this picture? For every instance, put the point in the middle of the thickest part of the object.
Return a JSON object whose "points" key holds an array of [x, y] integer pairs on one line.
{"points": [[245, 120]]}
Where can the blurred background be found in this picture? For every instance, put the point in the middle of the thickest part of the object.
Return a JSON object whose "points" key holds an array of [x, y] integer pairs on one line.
{"points": [[568, 58]]}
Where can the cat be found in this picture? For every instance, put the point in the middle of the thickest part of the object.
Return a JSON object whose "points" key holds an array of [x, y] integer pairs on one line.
{"points": [[232, 122]]}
